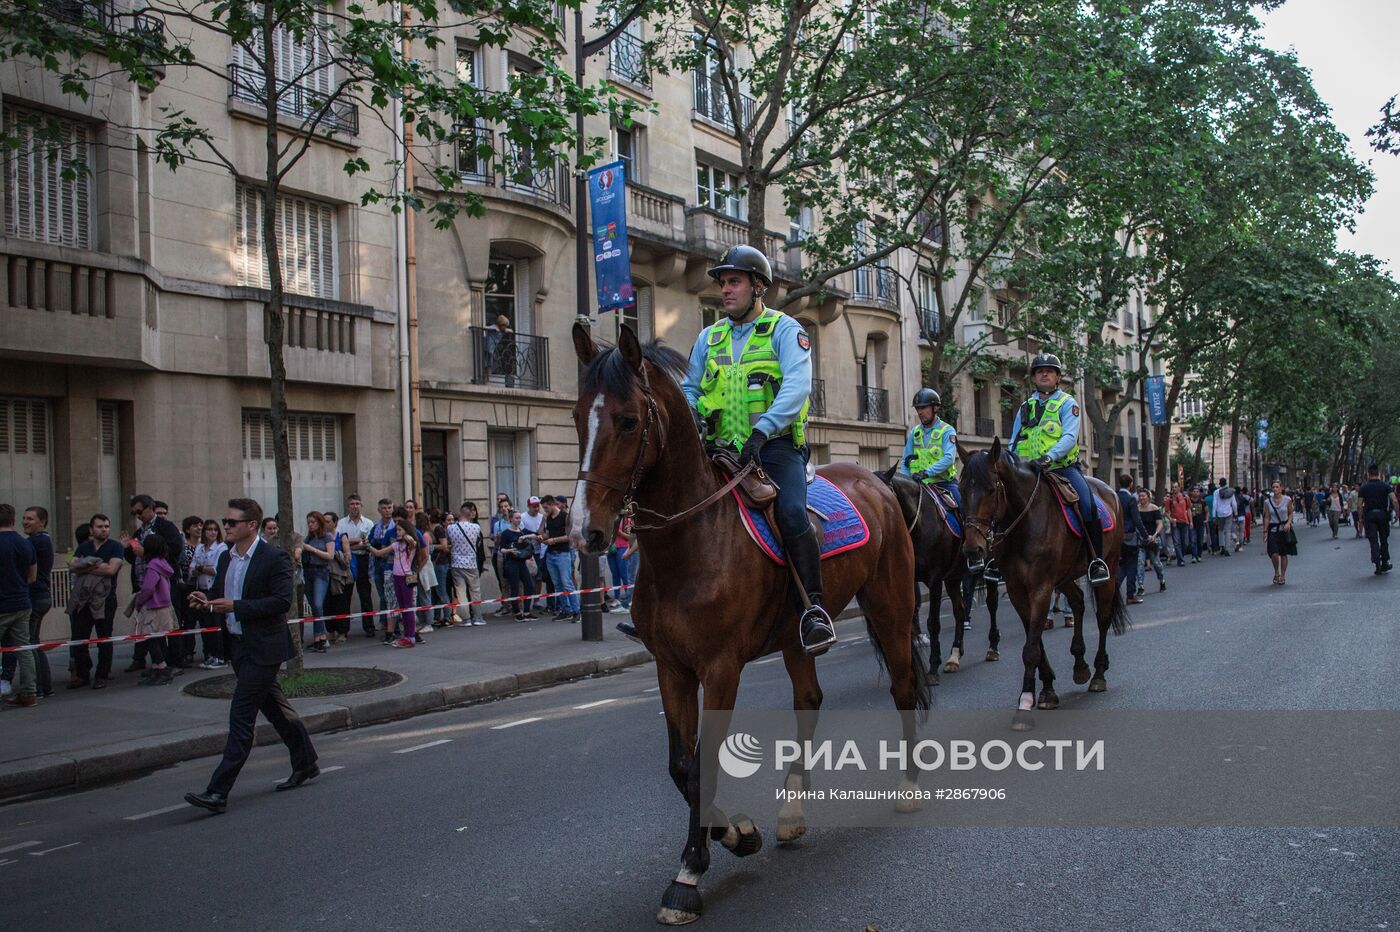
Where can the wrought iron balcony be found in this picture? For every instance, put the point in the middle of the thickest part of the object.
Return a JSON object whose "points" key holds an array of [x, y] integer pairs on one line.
{"points": [[796, 152], [627, 61], [104, 15], [475, 147], [874, 403], [986, 427], [876, 283], [928, 321], [295, 100], [513, 360], [817, 399], [712, 101], [524, 171]]}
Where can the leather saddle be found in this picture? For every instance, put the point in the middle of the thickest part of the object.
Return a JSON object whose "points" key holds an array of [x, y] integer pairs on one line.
{"points": [[756, 489], [945, 498], [1063, 486]]}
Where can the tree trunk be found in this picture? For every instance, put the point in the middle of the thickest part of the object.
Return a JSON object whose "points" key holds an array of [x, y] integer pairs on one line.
{"points": [[1234, 449], [1162, 436], [273, 309]]}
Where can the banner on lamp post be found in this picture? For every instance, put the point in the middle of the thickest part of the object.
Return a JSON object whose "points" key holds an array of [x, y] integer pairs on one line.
{"points": [[612, 264], [1157, 399]]}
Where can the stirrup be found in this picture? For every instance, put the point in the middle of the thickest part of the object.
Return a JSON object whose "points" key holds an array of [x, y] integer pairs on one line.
{"points": [[990, 572], [815, 631], [1098, 572]]}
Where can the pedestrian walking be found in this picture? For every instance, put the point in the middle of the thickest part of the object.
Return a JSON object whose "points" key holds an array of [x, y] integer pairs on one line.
{"points": [[1376, 503], [1179, 511], [253, 590], [1223, 517], [1199, 515], [465, 538], [1152, 545], [1282, 541], [1335, 509], [19, 568], [1354, 509], [1133, 536], [153, 615]]}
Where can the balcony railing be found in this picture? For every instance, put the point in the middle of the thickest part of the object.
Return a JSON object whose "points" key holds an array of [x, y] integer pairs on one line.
{"points": [[109, 19], [876, 283], [817, 400], [525, 172], [712, 101], [874, 403], [294, 100], [928, 321], [475, 147], [986, 427], [626, 60], [796, 152], [515, 360]]}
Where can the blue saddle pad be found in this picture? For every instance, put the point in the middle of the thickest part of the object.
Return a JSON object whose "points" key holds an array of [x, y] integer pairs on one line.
{"points": [[950, 515], [1106, 520], [845, 527]]}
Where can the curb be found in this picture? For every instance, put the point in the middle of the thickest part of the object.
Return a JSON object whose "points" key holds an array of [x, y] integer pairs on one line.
{"points": [[107, 764]]}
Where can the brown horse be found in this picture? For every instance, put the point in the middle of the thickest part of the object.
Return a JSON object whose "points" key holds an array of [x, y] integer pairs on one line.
{"points": [[707, 600], [1013, 514]]}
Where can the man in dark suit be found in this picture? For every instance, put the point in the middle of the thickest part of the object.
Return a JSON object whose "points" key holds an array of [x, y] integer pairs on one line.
{"points": [[253, 588]]}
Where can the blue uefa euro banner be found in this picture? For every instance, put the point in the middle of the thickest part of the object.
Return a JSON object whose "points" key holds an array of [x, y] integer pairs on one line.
{"points": [[612, 265], [1157, 398]]}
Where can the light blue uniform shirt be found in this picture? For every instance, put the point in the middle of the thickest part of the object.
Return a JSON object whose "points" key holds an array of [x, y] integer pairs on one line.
{"points": [[950, 450], [793, 359], [1069, 423], [233, 580]]}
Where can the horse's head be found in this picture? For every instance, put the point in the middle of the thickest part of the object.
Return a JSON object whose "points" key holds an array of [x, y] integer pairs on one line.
{"points": [[983, 485], [623, 420]]}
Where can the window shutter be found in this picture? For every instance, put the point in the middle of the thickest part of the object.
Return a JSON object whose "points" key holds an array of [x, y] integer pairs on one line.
{"points": [[39, 428], [39, 204], [4, 426], [645, 297], [19, 436], [303, 425]]}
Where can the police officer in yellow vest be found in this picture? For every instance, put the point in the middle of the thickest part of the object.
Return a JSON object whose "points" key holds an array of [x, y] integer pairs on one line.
{"points": [[748, 383], [1046, 435], [931, 450]]}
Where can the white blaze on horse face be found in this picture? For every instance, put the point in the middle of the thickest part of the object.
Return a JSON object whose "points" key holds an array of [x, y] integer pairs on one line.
{"points": [[578, 517]]}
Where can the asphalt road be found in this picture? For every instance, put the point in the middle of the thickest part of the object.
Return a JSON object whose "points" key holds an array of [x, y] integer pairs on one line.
{"points": [[553, 810]]}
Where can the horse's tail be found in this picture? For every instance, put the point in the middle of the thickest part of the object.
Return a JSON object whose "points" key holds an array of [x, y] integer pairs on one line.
{"points": [[1118, 613], [923, 696]]}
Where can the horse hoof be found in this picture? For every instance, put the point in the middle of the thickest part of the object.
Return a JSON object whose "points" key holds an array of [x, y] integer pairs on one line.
{"points": [[1048, 700], [680, 905], [933, 678], [1081, 675], [750, 838], [789, 830], [1098, 685], [993, 656], [1022, 720], [952, 666]]}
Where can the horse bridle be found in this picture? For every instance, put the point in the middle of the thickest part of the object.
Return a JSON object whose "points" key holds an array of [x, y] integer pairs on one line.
{"points": [[630, 508], [988, 531]]}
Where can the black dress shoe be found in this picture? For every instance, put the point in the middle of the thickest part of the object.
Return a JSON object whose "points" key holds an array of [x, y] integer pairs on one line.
{"points": [[214, 802], [299, 777]]}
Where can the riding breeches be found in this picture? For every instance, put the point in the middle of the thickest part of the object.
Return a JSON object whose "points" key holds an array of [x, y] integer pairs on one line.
{"points": [[787, 467]]}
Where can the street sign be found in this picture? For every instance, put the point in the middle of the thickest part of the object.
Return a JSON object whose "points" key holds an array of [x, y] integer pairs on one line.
{"points": [[612, 264]]}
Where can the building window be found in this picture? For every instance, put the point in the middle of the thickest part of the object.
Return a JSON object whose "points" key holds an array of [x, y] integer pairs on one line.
{"points": [[313, 442], [500, 292], [42, 204], [306, 240], [626, 146], [928, 302], [305, 73], [709, 314], [639, 315], [509, 453], [720, 190]]}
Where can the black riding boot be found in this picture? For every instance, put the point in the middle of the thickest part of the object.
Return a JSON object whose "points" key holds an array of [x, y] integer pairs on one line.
{"points": [[1093, 536], [815, 628]]}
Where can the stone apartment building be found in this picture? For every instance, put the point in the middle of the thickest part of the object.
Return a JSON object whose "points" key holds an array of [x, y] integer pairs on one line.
{"points": [[133, 333]]}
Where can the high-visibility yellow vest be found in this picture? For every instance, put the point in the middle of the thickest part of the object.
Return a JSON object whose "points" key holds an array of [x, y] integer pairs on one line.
{"points": [[735, 394], [928, 449], [1041, 430]]}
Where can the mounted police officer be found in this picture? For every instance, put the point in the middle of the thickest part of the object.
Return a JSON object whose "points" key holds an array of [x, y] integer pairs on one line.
{"points": [[931, 450], [748, 384], [1046, 435]]}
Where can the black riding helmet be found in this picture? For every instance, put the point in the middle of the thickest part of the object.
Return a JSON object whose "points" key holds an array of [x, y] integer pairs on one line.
{"points": [[744, 259], [926, 396], [1047, 361]]}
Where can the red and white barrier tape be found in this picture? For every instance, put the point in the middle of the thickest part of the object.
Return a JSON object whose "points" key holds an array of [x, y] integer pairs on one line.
{"points": [[183, 632]]}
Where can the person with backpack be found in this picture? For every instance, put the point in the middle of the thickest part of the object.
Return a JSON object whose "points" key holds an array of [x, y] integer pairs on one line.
{"points": [[468, 557]]}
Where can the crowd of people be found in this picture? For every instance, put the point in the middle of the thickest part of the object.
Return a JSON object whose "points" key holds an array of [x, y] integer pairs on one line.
{"points": [[428, 559]]}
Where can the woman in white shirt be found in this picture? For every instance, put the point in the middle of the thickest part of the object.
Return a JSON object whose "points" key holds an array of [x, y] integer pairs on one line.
{"points": [[205, 565]]}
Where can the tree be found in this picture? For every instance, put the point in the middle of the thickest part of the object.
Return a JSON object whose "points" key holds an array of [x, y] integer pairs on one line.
{"points": [[311, 70]]}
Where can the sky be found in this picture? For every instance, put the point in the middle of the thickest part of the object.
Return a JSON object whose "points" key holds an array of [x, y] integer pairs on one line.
{"points": [[1348, 45]]}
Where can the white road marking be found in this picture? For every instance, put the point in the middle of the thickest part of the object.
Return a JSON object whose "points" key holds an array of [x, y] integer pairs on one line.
{"points": [[155, 812], [523, 721], [40, 854], [759, 663], [8, 861], [653, 689], [593, 705], [858, 637], [420, 747], [20, 847]]}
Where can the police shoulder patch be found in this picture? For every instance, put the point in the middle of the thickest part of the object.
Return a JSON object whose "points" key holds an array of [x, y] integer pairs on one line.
{"points": [[803, 340], [1074, 409]]}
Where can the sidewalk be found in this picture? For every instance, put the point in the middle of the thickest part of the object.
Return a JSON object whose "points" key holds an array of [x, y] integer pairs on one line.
{"points": [[83, 737]]}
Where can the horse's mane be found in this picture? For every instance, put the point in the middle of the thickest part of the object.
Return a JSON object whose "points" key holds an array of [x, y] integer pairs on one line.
{"points": [[978, 466], [609, 371]]}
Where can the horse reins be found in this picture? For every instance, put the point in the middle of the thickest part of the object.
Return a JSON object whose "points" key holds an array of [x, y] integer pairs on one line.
{"points": [[989, 533], [630, 507]]}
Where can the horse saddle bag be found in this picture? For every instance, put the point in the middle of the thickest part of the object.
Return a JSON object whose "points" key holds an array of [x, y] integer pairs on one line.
{"points": [[1063, 485], [756, 489]]}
